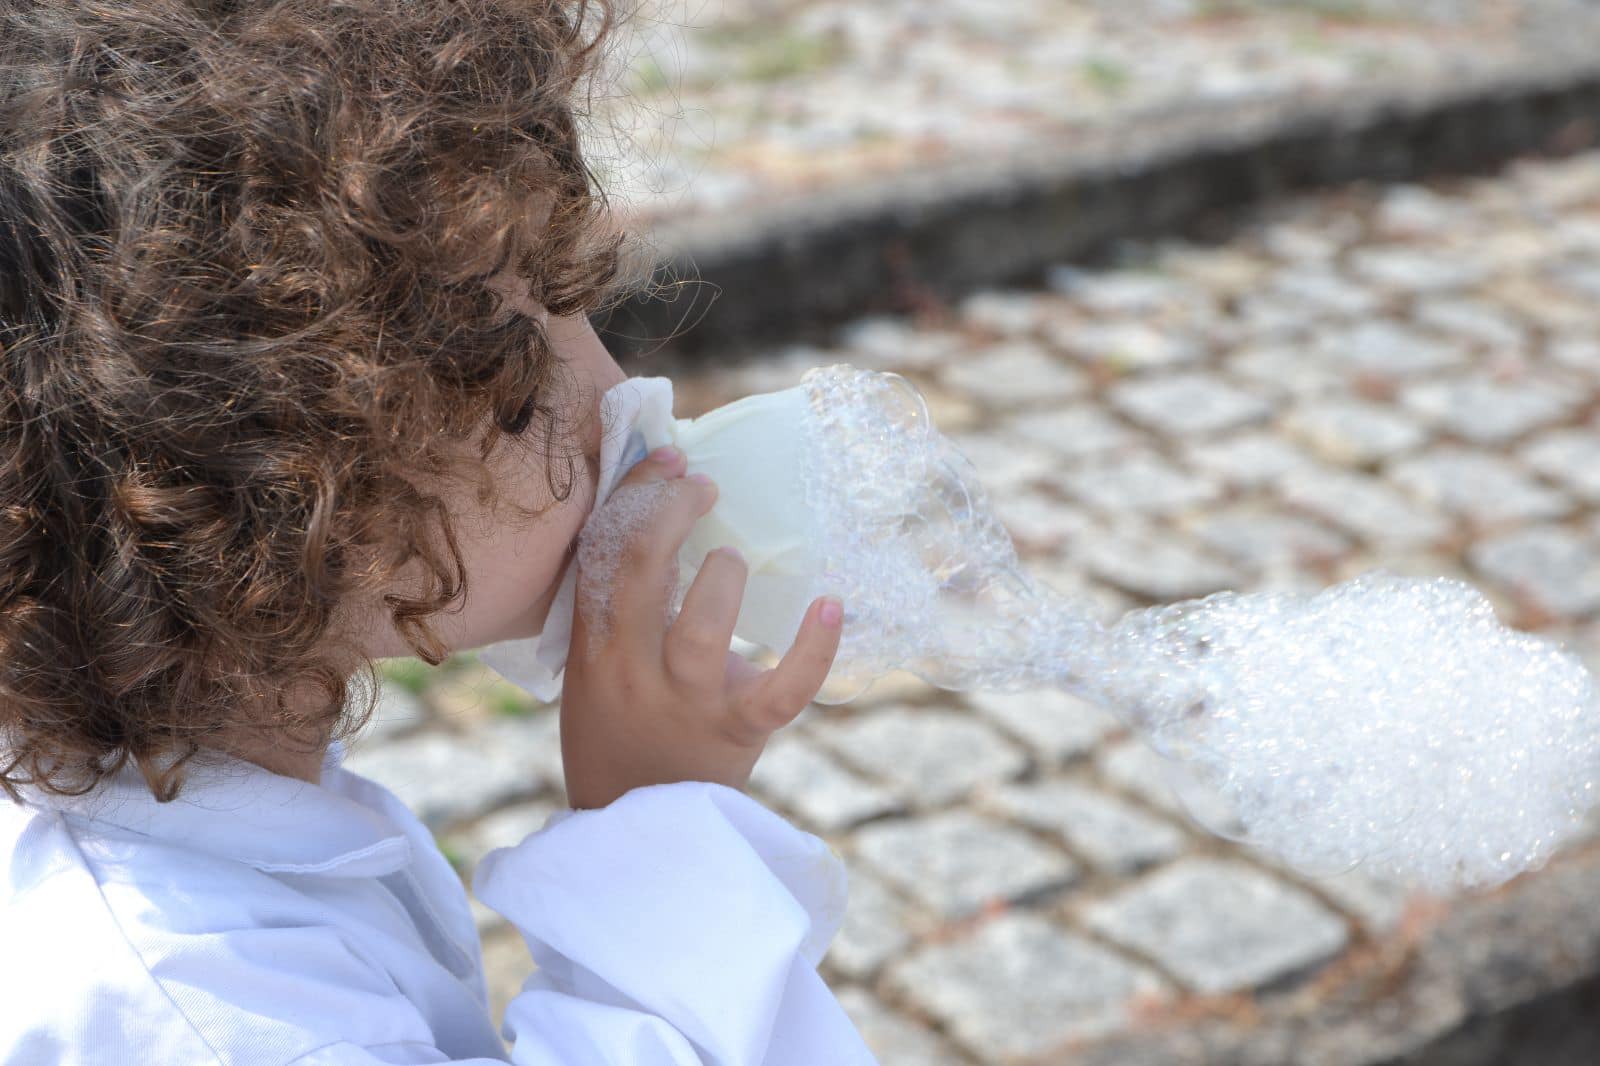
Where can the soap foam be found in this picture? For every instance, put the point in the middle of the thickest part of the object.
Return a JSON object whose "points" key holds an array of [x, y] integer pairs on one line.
{"points": [[626, 515], [1386, 721]]}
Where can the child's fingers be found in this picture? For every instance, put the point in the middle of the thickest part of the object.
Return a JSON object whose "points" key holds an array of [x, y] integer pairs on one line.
{"points": [[653, 557], [697, 642], [783, 692]]}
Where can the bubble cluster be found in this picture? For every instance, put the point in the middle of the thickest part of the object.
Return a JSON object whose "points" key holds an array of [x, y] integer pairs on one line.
{"points": [[928, 576], [1389, 722]]}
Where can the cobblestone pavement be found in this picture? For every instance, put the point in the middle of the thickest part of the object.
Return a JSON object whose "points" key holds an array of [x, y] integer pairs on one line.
{"points": [[1400, 376], [723, 102]]}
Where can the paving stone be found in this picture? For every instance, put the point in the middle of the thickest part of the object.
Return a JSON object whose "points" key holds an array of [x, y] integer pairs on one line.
{"points": [[1249, 460], [1057, 725], [1347, 432], [1389, 348], [443, 777], [507, 965], [1414, 269], [1004, 465], [1270, 320], [1021, 986], [1063, 577], [878, 926], [1479, 485], [1301, 238], [1578, 236], [930, 754], [532, 739], [775, 369], [1319, 290], [1377, 903], [1569, 456], [1141, 483], [1563, 183], [956, 862], [1223, 270], [1417, 211], [1476, 321], [488, 922], [1577, 352], [1127, 345], [1072, 432], [895, 1039], [1155, 566], [1114, 836], [1262, 539], [397, 712], [1220, 926], [1181, 405], [810, 782], [883, 342], [1489, 412], [1581, 278], [1015, 373], [1543, 306], [1365, 506], [1133, 766], [1009, 313], [1554, 567], [1285, 370], [1038, 521], [1511, 248], [1122, 293], [503, 828]]}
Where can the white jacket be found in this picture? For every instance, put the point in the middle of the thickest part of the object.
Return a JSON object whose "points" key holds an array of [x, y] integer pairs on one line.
{"points": [[259, 919]]}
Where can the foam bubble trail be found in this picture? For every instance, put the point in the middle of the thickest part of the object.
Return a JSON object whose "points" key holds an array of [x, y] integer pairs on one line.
{"points": [[1388, 722]]}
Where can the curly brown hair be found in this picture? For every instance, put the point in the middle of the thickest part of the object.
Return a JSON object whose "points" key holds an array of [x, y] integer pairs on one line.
{"points": [[243, 317]]}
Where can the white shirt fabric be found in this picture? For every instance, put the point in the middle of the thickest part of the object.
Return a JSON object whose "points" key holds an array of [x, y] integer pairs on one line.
{"points": [[259, 919]]}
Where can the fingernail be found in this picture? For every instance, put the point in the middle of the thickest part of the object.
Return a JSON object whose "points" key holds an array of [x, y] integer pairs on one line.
{"points": [[665, 454], [702, 478], [832, 611]]}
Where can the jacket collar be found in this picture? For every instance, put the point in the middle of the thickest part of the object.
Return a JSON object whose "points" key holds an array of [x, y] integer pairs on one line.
{"points": [[343, 827]]}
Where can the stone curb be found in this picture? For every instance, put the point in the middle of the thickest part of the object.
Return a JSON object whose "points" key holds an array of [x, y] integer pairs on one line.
{"points": [[1505, 978], [790, 272]]}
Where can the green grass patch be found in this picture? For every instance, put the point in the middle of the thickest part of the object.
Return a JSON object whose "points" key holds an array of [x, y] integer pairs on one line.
{"points": [[1106, 75], [648, 76], [502, 697], [758, 52], [447, 848], [1330, 10], [406, 672]]}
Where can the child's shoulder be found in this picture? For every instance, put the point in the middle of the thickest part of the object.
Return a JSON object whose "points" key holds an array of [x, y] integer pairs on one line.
{"points": [[74, 978], [171, 947]]}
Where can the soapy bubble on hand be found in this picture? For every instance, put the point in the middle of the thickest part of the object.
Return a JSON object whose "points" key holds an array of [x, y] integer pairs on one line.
{"points": [[625, 515]]}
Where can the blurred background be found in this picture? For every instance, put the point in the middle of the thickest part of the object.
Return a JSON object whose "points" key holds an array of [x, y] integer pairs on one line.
{"points": [[1216, 294]]}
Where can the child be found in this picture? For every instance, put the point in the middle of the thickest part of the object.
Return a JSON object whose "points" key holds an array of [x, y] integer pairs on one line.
{"points": [[293, 298]]}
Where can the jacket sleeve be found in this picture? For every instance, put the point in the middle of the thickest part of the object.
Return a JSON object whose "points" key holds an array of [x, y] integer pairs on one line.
{"points": [[682, 924], [679, 926]]}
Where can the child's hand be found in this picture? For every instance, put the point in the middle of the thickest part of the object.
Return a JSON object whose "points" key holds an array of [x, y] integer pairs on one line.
{"points": [[651, 703]]}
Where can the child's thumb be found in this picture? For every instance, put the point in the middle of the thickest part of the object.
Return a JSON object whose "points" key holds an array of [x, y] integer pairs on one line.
{"points": [[659, 465]]}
